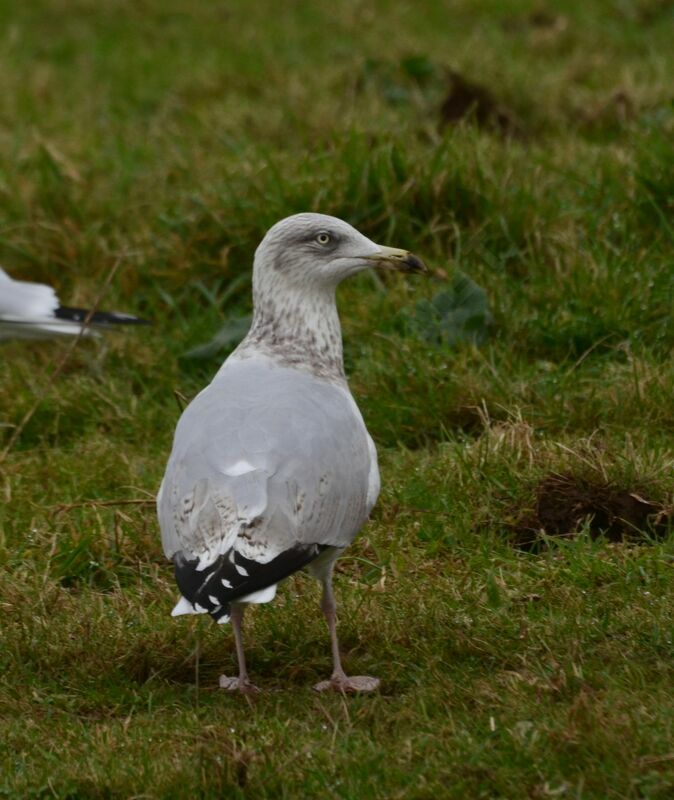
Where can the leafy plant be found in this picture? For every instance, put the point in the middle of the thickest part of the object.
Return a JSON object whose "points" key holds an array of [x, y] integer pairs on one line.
{"points": [[231, 333], [455, 315]]}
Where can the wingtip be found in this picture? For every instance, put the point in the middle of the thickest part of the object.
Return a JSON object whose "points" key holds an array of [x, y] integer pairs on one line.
{"points": [[103, 318], [183, 606]]}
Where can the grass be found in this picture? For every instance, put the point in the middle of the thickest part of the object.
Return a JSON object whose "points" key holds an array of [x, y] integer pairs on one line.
{"points": [[171, 135]]}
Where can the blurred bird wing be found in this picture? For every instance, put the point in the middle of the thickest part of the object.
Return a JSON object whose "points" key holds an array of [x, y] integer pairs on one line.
{"points": [[20, 300]]}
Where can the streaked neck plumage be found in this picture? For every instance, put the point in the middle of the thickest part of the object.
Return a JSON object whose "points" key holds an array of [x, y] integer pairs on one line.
{"points": [[295, 324]]}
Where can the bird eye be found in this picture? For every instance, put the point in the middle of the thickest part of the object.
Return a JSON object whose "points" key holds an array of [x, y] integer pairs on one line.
{"points": [[324, 238]]}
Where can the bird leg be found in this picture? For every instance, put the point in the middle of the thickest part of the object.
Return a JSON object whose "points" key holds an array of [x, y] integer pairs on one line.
{"points": [[339, 681], [242, 683]]}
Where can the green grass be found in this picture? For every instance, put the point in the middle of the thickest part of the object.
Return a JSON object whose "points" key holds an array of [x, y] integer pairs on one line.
{"points": [[171, 135]]}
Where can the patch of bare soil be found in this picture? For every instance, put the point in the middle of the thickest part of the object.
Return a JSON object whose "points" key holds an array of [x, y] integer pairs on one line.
{"points": [[566, 503], [468, 100]]}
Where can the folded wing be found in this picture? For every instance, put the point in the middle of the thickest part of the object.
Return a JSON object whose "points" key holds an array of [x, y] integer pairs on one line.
{"points": [[269, 467]]}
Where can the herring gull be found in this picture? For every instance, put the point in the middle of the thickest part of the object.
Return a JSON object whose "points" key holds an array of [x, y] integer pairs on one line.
{"points": [[272, 469], [33, 311]]}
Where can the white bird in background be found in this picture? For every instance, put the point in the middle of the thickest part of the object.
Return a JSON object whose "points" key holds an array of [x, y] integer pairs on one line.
{"points": [[272, 468], [33, 311]]}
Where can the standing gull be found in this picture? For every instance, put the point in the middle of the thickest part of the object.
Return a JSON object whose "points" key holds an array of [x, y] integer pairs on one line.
{"points": [[33, 311], [272, 468]]}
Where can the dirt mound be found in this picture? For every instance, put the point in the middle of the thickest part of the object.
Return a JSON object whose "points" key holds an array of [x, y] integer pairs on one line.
{"points": [[565, 503], [466, 99]]}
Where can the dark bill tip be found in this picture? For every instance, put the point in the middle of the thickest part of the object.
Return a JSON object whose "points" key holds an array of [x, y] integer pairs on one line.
{"points": [[411, 263]]}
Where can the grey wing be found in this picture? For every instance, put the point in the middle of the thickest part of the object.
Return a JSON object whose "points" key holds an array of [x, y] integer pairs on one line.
{"points": [[269, 466]]}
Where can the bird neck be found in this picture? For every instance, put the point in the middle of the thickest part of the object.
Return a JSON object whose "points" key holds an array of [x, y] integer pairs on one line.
{"points": [[297, 327]]}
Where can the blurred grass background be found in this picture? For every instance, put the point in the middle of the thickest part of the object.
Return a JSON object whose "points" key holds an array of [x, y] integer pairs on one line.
{"points": [[171, 135]]}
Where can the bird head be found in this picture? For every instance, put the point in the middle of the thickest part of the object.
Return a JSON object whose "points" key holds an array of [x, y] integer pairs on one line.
{"points": [[320, 250]]}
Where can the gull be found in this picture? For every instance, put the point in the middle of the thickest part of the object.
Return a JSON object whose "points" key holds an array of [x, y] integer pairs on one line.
{"points": [[33, 311], [272, 469]]}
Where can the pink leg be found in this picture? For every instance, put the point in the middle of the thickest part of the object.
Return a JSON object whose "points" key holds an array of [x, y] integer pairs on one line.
{"points": [[241, 684], [339, 681]]}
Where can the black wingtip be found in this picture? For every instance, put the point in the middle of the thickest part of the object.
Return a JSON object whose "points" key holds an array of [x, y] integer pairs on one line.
{"points": [[232, 576], [104, 318]]}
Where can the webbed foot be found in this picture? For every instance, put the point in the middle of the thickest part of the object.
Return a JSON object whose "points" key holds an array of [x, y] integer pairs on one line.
{"points": [[353, 685], [237, 685]]}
